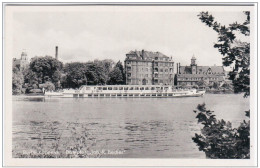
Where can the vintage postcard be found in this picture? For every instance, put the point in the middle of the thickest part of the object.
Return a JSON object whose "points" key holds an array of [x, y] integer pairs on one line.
{"points": [[137, 84]]}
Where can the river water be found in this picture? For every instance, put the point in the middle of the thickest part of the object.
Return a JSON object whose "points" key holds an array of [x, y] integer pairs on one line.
{"points": [[115, 127]]}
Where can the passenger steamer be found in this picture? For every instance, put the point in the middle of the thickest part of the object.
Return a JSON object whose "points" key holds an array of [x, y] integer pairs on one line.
{"points": [[126, 91]]}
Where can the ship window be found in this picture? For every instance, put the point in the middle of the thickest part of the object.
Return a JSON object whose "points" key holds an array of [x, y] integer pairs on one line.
{"points": [[141, 88], [152, 88], [131, 88], [136, 88], [125, 88], [99, 88], [120, 88], [165, 88], [115, 88], [104, 88], [146, 88], [109, 88]]}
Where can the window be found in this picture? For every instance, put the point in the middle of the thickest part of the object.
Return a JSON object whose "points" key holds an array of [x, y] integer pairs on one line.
{"points": [[104, 88], [136, 88], [129, 68], [115, 88], [128, 62], [109, 88], [125, 88], [156, 58], [120, 88], [146, 88], [141, 88], [161, 70], [129, 75], [166, 70], [131, 88]]}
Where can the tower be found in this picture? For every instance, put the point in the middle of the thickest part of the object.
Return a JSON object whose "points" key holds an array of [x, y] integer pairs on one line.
{"points": [[24, 61], [193, 65], [56, 52], [24, 56]]}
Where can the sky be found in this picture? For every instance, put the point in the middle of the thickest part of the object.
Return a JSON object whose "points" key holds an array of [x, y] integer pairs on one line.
{"points": [[89, 34]]}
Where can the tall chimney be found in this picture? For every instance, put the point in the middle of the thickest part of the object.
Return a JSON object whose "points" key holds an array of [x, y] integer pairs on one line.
{"points": [[56, 52], [142, 54], [179, 68]]}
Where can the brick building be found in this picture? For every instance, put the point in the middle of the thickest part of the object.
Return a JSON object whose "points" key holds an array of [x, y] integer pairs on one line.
{"points": [[190, 75], [148, 68]]}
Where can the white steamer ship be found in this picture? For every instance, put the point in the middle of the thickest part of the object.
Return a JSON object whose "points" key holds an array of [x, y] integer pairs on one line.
{"points": [[126, 91]]}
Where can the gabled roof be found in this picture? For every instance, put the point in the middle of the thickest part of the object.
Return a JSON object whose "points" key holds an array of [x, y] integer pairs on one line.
{"points": [[202, 69]]}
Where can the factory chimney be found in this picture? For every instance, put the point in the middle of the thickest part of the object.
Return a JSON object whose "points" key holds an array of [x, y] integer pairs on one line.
{"points": [[56, 52]]}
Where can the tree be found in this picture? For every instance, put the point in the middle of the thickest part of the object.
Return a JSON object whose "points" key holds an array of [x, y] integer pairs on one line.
{"points": [[17, 81], [75, 75], [115, 77], [45, 68], [219, 140], [234, 51], [95, 74]]}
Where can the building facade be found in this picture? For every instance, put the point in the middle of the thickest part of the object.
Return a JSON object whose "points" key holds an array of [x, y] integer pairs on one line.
{"points": [[22, 63], [190, 75], [148, 68]]}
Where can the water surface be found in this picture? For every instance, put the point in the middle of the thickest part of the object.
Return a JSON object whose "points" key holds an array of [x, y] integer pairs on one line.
{"points": [[116, 127]]}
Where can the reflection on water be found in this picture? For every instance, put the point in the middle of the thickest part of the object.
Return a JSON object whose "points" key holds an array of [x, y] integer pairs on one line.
{"points": [[114, 127]]}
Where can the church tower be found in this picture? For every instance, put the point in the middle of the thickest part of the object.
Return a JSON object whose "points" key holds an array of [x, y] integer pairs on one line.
{"points": [[193, 65]]}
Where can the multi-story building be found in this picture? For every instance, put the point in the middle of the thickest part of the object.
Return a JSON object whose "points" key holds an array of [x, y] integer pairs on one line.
{"points": [[190, 75], [22, 63], [148, 68]]}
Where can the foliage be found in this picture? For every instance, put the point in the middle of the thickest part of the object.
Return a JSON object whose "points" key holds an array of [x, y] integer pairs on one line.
{"points": [[219, 140], [48, 86], [75, 75], [234, 52], [117, 75], [46, 68], [17, 81]]}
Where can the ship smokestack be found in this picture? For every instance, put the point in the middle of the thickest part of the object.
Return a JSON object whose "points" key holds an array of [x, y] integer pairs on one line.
{"points": [[56, 52]]}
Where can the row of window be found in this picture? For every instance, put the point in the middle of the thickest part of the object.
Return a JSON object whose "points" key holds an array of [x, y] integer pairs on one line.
{"points": [[163, 64], [209, 78], [150, 64], [156, 81]]}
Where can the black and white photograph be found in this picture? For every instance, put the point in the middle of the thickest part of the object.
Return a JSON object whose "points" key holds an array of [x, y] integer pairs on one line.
{"points": [[128, 83]]}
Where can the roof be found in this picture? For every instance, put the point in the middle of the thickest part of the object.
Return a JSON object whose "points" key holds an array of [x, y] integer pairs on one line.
{"points": [[202, 69], [147, 54]]}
